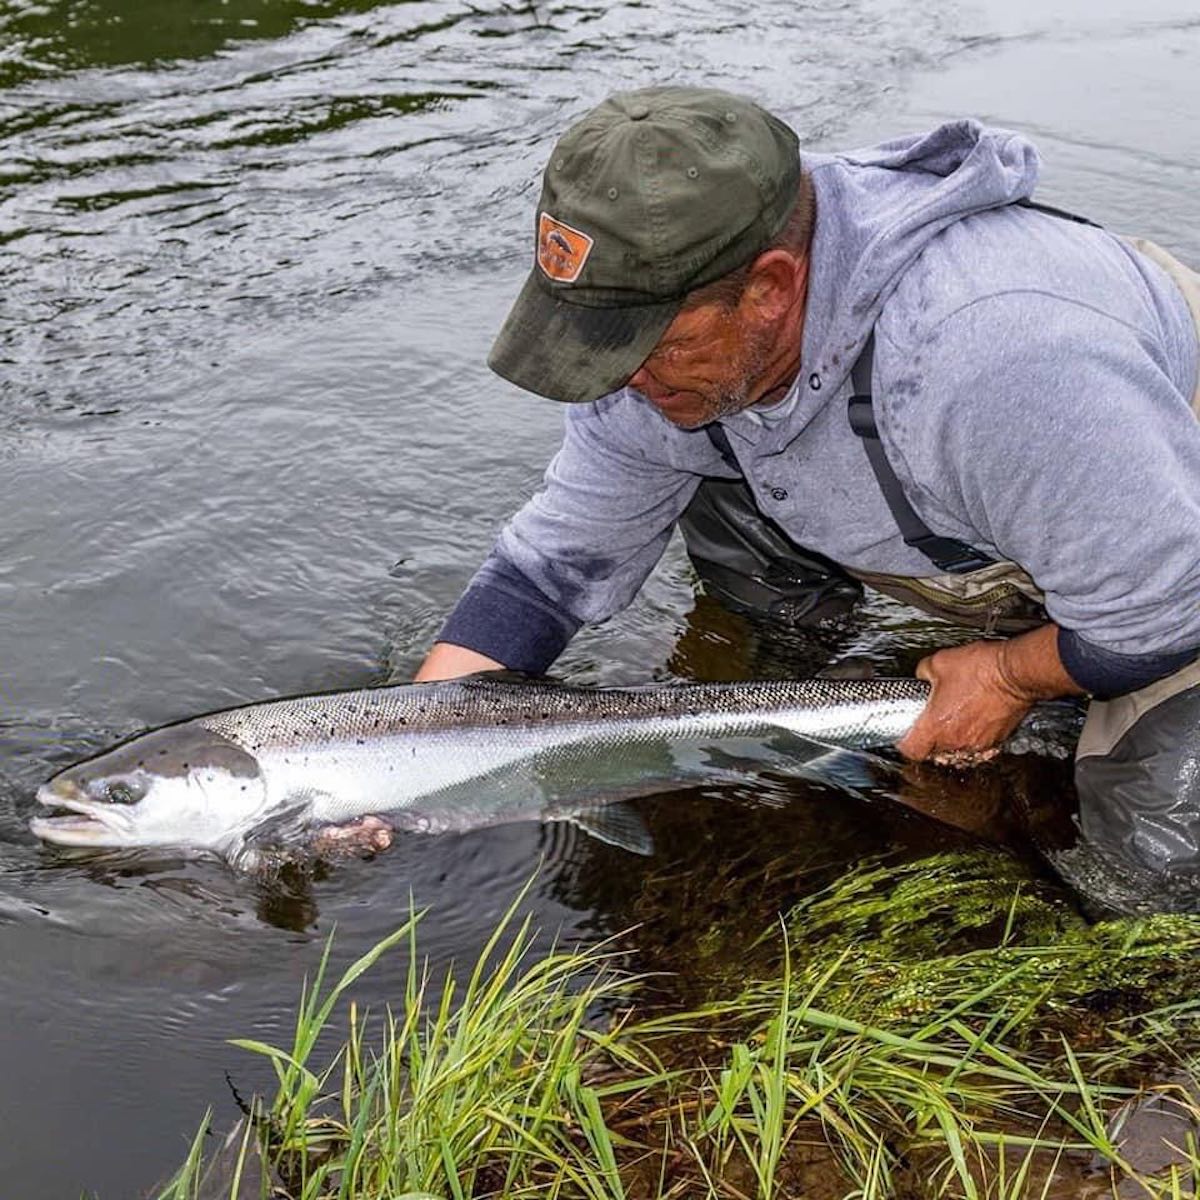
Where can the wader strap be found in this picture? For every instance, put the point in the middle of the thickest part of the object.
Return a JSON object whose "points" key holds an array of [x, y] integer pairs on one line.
{"points": [[720, 441], [1050, 210], [947, 554]]}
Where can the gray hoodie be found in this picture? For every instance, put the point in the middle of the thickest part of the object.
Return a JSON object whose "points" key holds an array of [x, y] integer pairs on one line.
{"points": [[1032, 380]]}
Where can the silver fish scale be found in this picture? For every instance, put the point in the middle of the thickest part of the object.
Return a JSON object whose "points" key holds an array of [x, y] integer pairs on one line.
{"points": [[839, 707]]}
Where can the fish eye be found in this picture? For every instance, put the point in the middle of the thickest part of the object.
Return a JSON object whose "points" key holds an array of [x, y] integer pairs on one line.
{"points": [[119, 793]]}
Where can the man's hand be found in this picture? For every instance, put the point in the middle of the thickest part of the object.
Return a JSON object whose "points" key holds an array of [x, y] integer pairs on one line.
{"points": [[980, 693], [972, 708]]}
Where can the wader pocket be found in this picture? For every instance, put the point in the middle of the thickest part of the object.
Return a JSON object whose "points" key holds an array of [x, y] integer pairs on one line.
{"points": [[1000, 598]]}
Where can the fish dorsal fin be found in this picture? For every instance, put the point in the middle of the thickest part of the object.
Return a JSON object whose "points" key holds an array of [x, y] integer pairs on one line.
{"points": [[508, 675], [618, 824], [500, 675]]}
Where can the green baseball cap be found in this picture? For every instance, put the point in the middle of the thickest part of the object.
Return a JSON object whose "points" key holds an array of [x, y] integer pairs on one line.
{"points": [[651, 195]]}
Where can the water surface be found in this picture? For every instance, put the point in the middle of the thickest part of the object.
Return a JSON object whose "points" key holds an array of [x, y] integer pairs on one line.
{"points": [[252, 255]]}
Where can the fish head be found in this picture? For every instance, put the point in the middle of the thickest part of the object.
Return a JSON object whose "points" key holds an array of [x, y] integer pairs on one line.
{"points": [[184, 786]]}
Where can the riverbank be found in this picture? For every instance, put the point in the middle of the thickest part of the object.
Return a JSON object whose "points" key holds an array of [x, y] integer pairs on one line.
{"points": [[945, 1027]]}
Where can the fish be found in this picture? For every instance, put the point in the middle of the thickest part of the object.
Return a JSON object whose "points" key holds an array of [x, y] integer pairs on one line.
{"points": [[453, 756]]}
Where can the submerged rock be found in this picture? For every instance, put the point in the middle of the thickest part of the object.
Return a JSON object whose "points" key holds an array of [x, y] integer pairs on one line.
{"points": [[1152, 1132]]}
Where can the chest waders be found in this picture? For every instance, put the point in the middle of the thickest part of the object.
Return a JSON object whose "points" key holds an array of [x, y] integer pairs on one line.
{"points": [[1137, 764]]}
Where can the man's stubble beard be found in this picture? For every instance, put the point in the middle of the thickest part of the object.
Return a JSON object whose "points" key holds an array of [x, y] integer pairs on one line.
{"points": [[754, 355]]}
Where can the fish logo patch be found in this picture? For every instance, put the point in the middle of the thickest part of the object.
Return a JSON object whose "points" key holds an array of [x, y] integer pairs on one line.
{"points": [[561, 250]]}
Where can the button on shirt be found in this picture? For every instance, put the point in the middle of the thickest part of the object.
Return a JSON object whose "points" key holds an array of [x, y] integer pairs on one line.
{"points": [[767, 417]]}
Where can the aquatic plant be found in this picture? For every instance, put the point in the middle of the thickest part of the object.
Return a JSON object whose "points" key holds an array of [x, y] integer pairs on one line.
{"points": [[943, 1028], [895, 942]]}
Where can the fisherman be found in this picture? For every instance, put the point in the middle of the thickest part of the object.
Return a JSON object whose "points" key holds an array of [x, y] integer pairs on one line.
{"points": [[893, 361]]}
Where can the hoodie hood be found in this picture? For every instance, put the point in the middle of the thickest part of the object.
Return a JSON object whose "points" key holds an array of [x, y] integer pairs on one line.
{"points": [[878, 209]]}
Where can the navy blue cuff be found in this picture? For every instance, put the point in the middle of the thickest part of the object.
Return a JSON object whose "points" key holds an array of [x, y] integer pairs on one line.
{"points": [[505, 617], [1106, 674]]}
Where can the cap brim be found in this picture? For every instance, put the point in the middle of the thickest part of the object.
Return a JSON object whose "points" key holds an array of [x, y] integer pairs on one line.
{"points": [[571, 352]]}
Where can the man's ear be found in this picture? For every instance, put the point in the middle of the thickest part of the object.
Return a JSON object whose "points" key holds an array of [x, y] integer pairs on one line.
{"points": [[776, 279]]}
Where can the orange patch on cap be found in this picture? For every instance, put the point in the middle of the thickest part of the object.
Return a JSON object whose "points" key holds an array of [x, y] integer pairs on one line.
{"points": [[561, 250]]}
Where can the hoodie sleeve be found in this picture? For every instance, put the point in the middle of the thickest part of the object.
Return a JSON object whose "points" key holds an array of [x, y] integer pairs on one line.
{"points": [[580, 549], [1060, 442]]}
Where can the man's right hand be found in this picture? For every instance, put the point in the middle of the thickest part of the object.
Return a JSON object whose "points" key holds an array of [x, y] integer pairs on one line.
{"points": [[447, 661]]}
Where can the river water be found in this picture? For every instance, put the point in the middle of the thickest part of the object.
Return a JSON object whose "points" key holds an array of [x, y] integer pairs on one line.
{"points": [[252, 255]]}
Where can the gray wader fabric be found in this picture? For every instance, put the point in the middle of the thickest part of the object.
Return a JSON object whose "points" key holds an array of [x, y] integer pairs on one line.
{"points": [[1138, 760], [1137, 770]]}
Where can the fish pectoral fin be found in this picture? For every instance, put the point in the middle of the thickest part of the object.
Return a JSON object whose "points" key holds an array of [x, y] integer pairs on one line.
{"points": [[802, 745], [288, 821], [857, 771], [618, 824]]}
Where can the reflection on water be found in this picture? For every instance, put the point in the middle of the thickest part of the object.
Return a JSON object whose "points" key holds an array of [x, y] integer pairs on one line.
{"points": [[252, 256], [47, 40]]}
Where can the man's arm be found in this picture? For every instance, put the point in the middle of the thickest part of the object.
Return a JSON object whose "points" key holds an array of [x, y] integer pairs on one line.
{"points": [[579, 549], [1064, 447]]}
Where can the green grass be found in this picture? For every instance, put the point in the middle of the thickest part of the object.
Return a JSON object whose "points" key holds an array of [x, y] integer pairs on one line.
{"points": [[479, 1087], [939, 1029]]}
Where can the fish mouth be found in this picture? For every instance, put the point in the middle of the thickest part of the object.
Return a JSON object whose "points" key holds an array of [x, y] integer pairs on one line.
{"points": [[90, 823]]}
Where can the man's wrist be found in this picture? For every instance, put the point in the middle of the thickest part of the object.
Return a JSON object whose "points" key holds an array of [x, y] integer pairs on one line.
{"points": [[1028, 667], [448, 661]]}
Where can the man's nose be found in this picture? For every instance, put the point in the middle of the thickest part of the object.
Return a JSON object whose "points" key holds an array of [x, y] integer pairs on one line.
{"points": [[642, 381]]}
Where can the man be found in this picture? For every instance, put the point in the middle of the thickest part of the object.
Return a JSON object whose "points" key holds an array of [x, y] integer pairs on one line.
{"points": [[1022, 453]]}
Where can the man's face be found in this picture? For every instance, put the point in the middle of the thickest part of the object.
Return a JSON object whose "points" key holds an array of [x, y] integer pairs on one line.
{"points": [[709, 363]]}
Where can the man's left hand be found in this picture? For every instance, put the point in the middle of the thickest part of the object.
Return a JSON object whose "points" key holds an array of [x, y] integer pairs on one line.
{"points": [[973, 706]]}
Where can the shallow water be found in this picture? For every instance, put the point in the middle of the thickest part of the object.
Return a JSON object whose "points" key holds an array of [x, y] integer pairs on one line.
{"points": [[251, 259]]}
